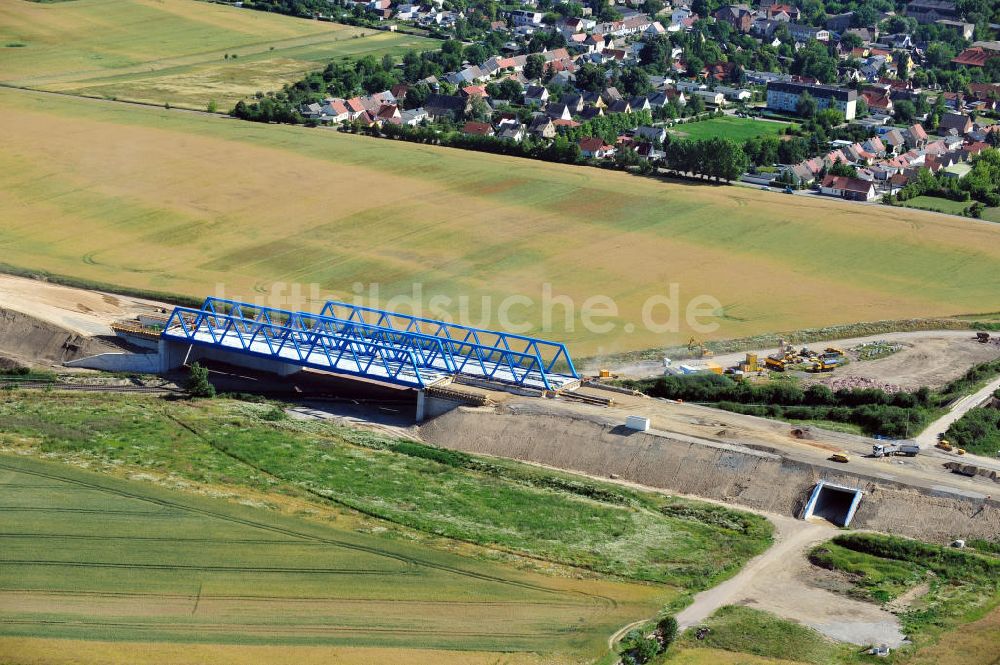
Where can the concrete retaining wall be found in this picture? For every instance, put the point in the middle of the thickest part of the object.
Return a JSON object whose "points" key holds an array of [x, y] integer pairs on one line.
{"points": [[730, 473], [143, 363]]}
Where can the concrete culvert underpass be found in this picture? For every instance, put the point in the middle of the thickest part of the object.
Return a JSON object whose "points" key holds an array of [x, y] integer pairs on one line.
{"points": [[834, 503]]}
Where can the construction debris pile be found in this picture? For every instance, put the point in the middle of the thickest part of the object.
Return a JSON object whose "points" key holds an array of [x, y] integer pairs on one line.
{"points": [[862, 382], [875, 350]]}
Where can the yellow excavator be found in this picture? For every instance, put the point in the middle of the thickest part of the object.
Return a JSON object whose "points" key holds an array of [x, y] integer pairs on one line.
{"points": [[698, 345]]}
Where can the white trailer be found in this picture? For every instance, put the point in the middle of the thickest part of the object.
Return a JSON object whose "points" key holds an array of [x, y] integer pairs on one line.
{"points": [[885, 449]]}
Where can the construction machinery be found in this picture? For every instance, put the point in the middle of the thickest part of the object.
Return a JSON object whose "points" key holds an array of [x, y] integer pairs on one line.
{"points": [[888, 449], [840, 457], [821, 365], [698, 345], [944, 445], [775, 362]]}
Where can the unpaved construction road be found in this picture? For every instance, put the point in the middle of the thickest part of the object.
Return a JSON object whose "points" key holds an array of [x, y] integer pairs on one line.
{"points": [[78, 310], [929, 436], [781, 581], [928, 358]]}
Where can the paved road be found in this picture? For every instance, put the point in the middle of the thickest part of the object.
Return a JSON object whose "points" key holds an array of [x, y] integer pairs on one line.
{"points": [[930, 435]]}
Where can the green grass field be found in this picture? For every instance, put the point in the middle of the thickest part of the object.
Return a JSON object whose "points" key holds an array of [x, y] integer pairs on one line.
{"points": [[86, 556], [744, 630], [729, 127], [173, 51], [405, 546], [957, 586], [189, 204], [938, 204]]}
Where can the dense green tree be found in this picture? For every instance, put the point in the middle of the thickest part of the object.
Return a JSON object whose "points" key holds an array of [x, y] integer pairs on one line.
{"points": [[197, 383], [806, 106], [904, 110], [534, 67]]}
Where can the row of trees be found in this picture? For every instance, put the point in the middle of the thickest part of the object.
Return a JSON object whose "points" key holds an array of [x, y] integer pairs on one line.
{"points": [[716, 158]]}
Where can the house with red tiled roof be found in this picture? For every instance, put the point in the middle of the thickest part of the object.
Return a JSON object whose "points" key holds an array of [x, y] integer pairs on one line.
{"points": [[471, 91], [783, 13], [594, 147], [852, 189], [354, 107], [915, 136], [477, 129], [389, 113], [878, 100], [975, 56]]}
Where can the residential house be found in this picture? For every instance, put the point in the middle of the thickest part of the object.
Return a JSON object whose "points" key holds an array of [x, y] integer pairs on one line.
{"points": [[963, 28], [852, 189], [713, 97], [591, 112], [471, 91], [839, 22], [574, 102], [639, 103], [445, 106], [803, 33], [783, 13], [620, 106], [877, 100], [542, 127], [930, 11], [389, 113], [523, 17], [556, 111], [536, 95], [961, 123], [875, 146], [413, 117], [915, 136], [975, 56], [593, 147], [477, 129], [738, 16], [653, 134], [515, 133]]}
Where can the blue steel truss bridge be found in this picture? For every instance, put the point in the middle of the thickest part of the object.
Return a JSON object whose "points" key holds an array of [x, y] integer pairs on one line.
{"points": [[373, 344]]}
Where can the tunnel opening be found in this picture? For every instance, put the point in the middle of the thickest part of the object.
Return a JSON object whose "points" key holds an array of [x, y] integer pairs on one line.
{"points": [[833, 503]]}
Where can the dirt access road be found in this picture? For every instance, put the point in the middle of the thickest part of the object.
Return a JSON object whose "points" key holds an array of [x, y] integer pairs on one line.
{"points": [[783, 581], [78, 310], [929, 436]]}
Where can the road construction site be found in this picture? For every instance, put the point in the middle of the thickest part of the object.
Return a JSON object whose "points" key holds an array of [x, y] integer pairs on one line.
{"points": [[753, 462]]}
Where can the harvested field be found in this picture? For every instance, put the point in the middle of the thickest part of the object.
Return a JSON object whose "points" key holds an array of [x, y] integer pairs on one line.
{"points": [[87, 556], [143, 198], [36, 651], [179, 51]]}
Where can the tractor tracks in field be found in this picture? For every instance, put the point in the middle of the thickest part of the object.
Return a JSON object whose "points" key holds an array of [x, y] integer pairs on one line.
{"points": [[407, 560]]}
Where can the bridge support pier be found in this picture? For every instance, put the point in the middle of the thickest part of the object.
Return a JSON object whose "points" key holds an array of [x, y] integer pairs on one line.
{"points": [[421, 406]]}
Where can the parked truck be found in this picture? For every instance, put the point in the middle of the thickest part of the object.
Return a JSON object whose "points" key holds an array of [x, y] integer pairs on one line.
{"points": [[886, 449]]}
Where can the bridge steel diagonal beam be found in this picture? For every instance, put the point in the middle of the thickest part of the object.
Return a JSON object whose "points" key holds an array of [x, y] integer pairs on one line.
{"points": [[318, 349], [477, 351], [375, 344]]}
